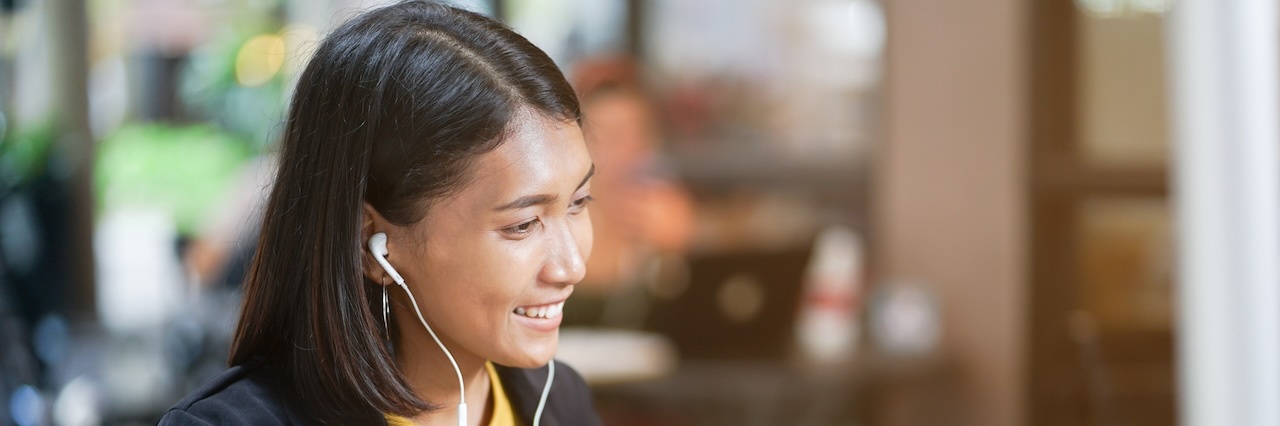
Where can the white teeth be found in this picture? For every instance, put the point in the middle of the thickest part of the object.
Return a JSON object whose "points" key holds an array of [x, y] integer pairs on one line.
{"points": [[547, 311]]}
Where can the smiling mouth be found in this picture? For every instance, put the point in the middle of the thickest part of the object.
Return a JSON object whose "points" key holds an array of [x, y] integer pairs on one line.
{"points": [[548, 311]]}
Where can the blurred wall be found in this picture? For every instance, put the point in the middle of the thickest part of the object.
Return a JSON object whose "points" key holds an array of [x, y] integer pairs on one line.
{"points": [[950, 196]]}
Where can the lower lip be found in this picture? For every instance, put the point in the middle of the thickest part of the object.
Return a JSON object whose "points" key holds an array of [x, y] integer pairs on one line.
{"points": [[545, 325]]}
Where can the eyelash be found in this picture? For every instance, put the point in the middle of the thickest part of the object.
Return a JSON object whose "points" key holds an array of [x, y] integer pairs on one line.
{"points": [[524, 228], [582, 202]]}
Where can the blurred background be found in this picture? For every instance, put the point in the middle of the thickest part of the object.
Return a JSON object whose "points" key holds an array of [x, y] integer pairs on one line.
{"points": [[810, 212]]}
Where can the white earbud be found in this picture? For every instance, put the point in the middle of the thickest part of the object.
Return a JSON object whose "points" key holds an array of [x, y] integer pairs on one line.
{"points": [[378, 245]]}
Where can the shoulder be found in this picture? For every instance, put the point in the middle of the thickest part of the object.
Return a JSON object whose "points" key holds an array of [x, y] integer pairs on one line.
{"points": [[244, 394], [569, 403]]}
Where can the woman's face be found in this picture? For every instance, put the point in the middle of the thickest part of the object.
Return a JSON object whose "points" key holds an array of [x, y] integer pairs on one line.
{"points": [[492, 264]]}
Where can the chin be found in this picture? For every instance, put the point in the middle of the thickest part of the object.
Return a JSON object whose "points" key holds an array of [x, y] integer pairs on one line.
{"points": [[528, 361], [533, 356]]}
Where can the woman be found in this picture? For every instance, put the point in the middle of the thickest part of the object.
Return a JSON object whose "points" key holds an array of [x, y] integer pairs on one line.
{"points": [[432, 166]]}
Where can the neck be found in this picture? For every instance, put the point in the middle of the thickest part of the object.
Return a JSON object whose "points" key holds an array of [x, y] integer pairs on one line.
{"points": [[433, 379]]}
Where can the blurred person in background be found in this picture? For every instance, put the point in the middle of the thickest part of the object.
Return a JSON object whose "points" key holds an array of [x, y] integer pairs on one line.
{"points": [[429, 152], [647, 212]]}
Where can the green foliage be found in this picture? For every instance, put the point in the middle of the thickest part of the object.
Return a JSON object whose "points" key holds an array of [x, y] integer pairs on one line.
{"points": [[185, 170], [24, 155], [209, 84]]}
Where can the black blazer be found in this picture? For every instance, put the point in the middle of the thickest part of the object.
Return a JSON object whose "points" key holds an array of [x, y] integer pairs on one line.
{"points": [[247, 395]]}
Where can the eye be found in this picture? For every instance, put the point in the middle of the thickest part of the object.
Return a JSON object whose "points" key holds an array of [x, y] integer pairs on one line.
{"points": [[522, 228], [581, 203]]}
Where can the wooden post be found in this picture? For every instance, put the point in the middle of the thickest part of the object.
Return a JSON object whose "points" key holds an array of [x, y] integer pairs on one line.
{"points": [[67, 26]]}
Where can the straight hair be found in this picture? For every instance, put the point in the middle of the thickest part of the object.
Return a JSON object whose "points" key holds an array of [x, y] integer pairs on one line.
{"points": [[391, 109]]}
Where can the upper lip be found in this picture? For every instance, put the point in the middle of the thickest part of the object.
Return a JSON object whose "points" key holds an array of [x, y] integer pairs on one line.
{"points": [[552, 302]]}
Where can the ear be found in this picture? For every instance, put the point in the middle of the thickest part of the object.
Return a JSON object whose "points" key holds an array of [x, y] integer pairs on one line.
{"points": [[371, 223]]}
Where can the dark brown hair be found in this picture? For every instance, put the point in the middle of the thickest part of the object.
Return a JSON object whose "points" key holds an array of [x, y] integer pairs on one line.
{"points": [[390, 109]]}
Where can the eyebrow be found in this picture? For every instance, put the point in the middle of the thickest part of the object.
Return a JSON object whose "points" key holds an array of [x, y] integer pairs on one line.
{"points": [[533, 200]]}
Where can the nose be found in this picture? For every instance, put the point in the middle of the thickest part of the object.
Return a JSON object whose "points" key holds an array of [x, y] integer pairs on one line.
{"points": [[564, 264]]}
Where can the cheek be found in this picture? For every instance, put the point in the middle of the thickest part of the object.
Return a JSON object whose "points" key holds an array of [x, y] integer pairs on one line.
{"points": [[501, 273], [474, 272], [584, 235]]}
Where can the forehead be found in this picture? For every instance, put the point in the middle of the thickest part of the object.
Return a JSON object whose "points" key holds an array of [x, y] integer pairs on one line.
{"points": [[535, 143], [539, 156]]}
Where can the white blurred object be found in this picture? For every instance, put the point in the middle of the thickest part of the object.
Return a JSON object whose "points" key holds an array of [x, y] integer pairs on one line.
{"points": [[613, 356], [139, 277], [1224, 63], [834, 58], [108, 95], [1120, 8], [828, 327], [710, 37], [77, 404], [850, 33], [905, 320]]}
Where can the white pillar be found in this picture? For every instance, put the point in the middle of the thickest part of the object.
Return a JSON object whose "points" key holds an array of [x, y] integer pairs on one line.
{"points": [[1223, 81]]}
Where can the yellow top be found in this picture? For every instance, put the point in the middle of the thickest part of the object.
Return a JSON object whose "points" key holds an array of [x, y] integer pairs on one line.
{"points": [[503, 413]]}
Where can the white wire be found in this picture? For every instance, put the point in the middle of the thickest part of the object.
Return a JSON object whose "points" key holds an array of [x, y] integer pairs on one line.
{"points": [[546, 389], [378, 246], [462, 388]]}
